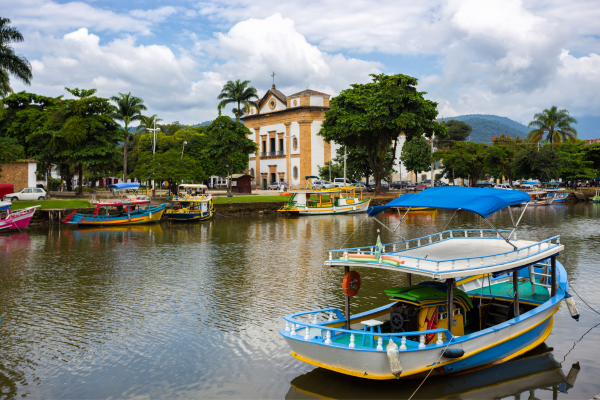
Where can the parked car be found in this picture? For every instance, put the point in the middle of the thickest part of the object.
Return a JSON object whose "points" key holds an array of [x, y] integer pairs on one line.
{"points": [[27, 194], [485, 184], [400, 184], [321, 184], [437, 183], [278, 186], [359, 184], [417, 187], [503, 186], [339, 182]]}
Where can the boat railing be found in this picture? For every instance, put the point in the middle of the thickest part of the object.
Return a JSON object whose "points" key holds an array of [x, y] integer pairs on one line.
{"points": [[450, 264], [316, 329]]}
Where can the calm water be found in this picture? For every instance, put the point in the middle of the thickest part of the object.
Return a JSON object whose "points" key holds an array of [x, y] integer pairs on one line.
{"points": [[193, 311]]}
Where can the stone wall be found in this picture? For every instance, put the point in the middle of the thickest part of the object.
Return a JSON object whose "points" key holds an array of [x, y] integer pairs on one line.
{"points": [[15, 173]]}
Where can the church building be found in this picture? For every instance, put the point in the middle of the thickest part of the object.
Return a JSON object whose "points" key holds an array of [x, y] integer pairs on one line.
{"points": [[285, 129]]}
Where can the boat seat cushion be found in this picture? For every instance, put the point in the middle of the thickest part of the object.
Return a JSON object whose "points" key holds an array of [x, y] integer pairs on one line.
{"points": [[427, 291]]}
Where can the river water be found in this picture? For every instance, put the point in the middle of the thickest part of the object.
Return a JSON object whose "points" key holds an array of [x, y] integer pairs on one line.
{"points": [[194, 311]]}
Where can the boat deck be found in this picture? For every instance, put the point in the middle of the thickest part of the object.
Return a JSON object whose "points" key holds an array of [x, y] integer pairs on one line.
{"points": [[460, 248], [505, 289]]}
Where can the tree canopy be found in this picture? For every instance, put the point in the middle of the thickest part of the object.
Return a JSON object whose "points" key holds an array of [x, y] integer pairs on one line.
{"points": [[554, 124], [129, 108], [371, 117], [239, 93], [416, 155]]}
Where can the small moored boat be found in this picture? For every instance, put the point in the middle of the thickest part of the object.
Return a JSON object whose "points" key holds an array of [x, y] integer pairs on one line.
{"points": [[491, 297], [130, 212], [342, 200], [192, 203], [19, 219]]}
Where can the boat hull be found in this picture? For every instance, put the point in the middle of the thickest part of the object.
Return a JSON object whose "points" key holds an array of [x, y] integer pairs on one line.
{"points": [[188, 217], [141, 217], [491, 345], [345, 209], [17, 220]]}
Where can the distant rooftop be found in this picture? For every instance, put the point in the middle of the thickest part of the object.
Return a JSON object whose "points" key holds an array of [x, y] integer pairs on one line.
{"points": [[591, 141], [309, 92]]}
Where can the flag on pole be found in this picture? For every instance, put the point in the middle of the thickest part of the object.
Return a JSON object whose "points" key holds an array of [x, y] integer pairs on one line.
{"points": [[378, 246]]}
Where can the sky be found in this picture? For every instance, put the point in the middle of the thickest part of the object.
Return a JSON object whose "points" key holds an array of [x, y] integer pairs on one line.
{"points": [[504, 57]]}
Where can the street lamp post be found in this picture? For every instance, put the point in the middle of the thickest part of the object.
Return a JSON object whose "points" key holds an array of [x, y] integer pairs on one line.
{"points": [[183, 148], [154, 143]]}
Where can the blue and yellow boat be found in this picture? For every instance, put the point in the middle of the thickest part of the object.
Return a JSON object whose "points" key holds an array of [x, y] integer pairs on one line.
{"points": [[130, 211], [491, 297], [192, 203]]}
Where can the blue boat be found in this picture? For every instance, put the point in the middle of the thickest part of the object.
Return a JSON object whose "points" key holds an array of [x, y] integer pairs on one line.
{"points": [[491, 296], [129, 212]]}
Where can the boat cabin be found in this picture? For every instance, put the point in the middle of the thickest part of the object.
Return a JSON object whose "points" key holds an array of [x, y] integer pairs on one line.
{"points": [[192, 190]]}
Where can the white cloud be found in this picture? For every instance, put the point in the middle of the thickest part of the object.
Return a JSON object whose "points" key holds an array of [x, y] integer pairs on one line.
{"points": [[49, 16], [156, 15]]}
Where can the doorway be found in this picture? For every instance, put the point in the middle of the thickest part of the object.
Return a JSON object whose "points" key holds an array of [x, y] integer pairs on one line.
{"points": [[264, 184], [273, 177]]}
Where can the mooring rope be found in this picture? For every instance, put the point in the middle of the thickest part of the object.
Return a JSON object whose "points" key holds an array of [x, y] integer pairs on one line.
{"points": [[359, 225], [438, 360]]}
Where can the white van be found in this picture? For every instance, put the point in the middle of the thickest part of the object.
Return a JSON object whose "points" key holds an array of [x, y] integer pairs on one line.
{"points": [[339, 182]]}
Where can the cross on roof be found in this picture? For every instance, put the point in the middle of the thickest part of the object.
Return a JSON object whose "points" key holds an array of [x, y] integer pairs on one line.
{"points": [[273, 75]]}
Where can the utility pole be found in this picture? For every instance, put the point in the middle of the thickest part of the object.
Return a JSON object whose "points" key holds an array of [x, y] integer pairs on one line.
{"points": [[432, 165], [345, 155]]}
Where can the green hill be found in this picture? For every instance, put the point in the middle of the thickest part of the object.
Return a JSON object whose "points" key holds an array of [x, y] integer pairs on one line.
{"points": [[485, 127]]}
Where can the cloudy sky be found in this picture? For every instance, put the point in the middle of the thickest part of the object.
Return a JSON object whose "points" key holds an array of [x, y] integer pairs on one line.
{"points": [[503, 57]]}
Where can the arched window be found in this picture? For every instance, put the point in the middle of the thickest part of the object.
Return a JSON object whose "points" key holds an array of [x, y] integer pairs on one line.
{"points": [[295, 172], [252, 171], [295, 143]]}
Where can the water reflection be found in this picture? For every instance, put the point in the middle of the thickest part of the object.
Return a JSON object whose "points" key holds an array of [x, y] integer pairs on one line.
{"points": [[534, 371], [194, 310]]}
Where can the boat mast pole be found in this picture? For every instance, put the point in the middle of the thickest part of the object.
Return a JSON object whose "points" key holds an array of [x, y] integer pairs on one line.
{"points": [[346, 270], [450, 306], [516, 292]]}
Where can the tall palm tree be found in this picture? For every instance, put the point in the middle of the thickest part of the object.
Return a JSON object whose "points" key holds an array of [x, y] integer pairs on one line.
{"points": [[9, 61], [129, 108], [5, 88], [555, 124], [239, 93]]}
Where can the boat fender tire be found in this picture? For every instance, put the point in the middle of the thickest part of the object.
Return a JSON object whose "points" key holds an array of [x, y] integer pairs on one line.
{"points": [[572, 307], [453, 353], [396, 320], [394, 358], [351, 283]]}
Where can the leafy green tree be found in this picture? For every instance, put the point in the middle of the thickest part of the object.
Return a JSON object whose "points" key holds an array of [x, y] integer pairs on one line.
{"points": [[238, 93], [500, 156], [129, 108], [371, 117], [544, 164], [592, 153], [464, 160], [555, 124], [11, 62], [170, 129], [169, 166], [227, 143], [458, 131], [10, 150], [575, 165], [416, 155]]}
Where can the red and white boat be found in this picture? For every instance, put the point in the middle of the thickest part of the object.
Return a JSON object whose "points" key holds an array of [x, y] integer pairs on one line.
{"points": [[14, 219]]}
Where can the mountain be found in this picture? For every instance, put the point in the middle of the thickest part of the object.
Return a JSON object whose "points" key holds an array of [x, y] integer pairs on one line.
{"points": [[485, 127], [588, 127], [205, 123]]}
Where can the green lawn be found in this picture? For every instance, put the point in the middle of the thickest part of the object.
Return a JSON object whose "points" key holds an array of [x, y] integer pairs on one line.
{"points": [[17, 205], [249, 199]]}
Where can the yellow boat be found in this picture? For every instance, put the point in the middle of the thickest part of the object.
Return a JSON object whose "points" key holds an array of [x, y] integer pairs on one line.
{"points": [[342, 200]]}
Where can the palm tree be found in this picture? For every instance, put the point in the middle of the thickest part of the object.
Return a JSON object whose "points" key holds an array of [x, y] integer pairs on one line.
{"points": [[9, 61], [5, 88], [129, 108], [239, 93], [555, 124]]}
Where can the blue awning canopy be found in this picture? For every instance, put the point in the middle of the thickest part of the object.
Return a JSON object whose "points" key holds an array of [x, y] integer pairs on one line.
{"points": [[482, 201], [122, 185]]}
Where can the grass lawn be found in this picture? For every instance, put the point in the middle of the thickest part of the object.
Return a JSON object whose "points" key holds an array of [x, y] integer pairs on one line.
{"points": [[249, 199], [17, 205]]}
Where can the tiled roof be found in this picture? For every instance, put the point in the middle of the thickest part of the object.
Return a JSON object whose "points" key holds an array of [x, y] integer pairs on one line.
{"points": [[591, 141], [309, 92], [282, 97]]}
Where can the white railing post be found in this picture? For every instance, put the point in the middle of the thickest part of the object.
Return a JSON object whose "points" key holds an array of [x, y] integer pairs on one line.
{"points": [[328, 337], [314, 321], [346, 255], [287, 326], [293, 333], [418, 263], [481, 262], [406, 245], [480, 233], [371, 250], [451, 235], [452, 264], [380, 343], [441, 237], [422, 342], [403, 343], [439, 341], [394, 247], [330, 316], [437, 266], [466, 234], [494, 260], [352, 345], [418, 242], [307, 333], [468, 263], [330, 257], [430, 241]]}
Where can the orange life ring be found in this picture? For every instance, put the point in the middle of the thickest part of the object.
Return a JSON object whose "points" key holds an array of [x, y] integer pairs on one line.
{"points": [[351, 283]]}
